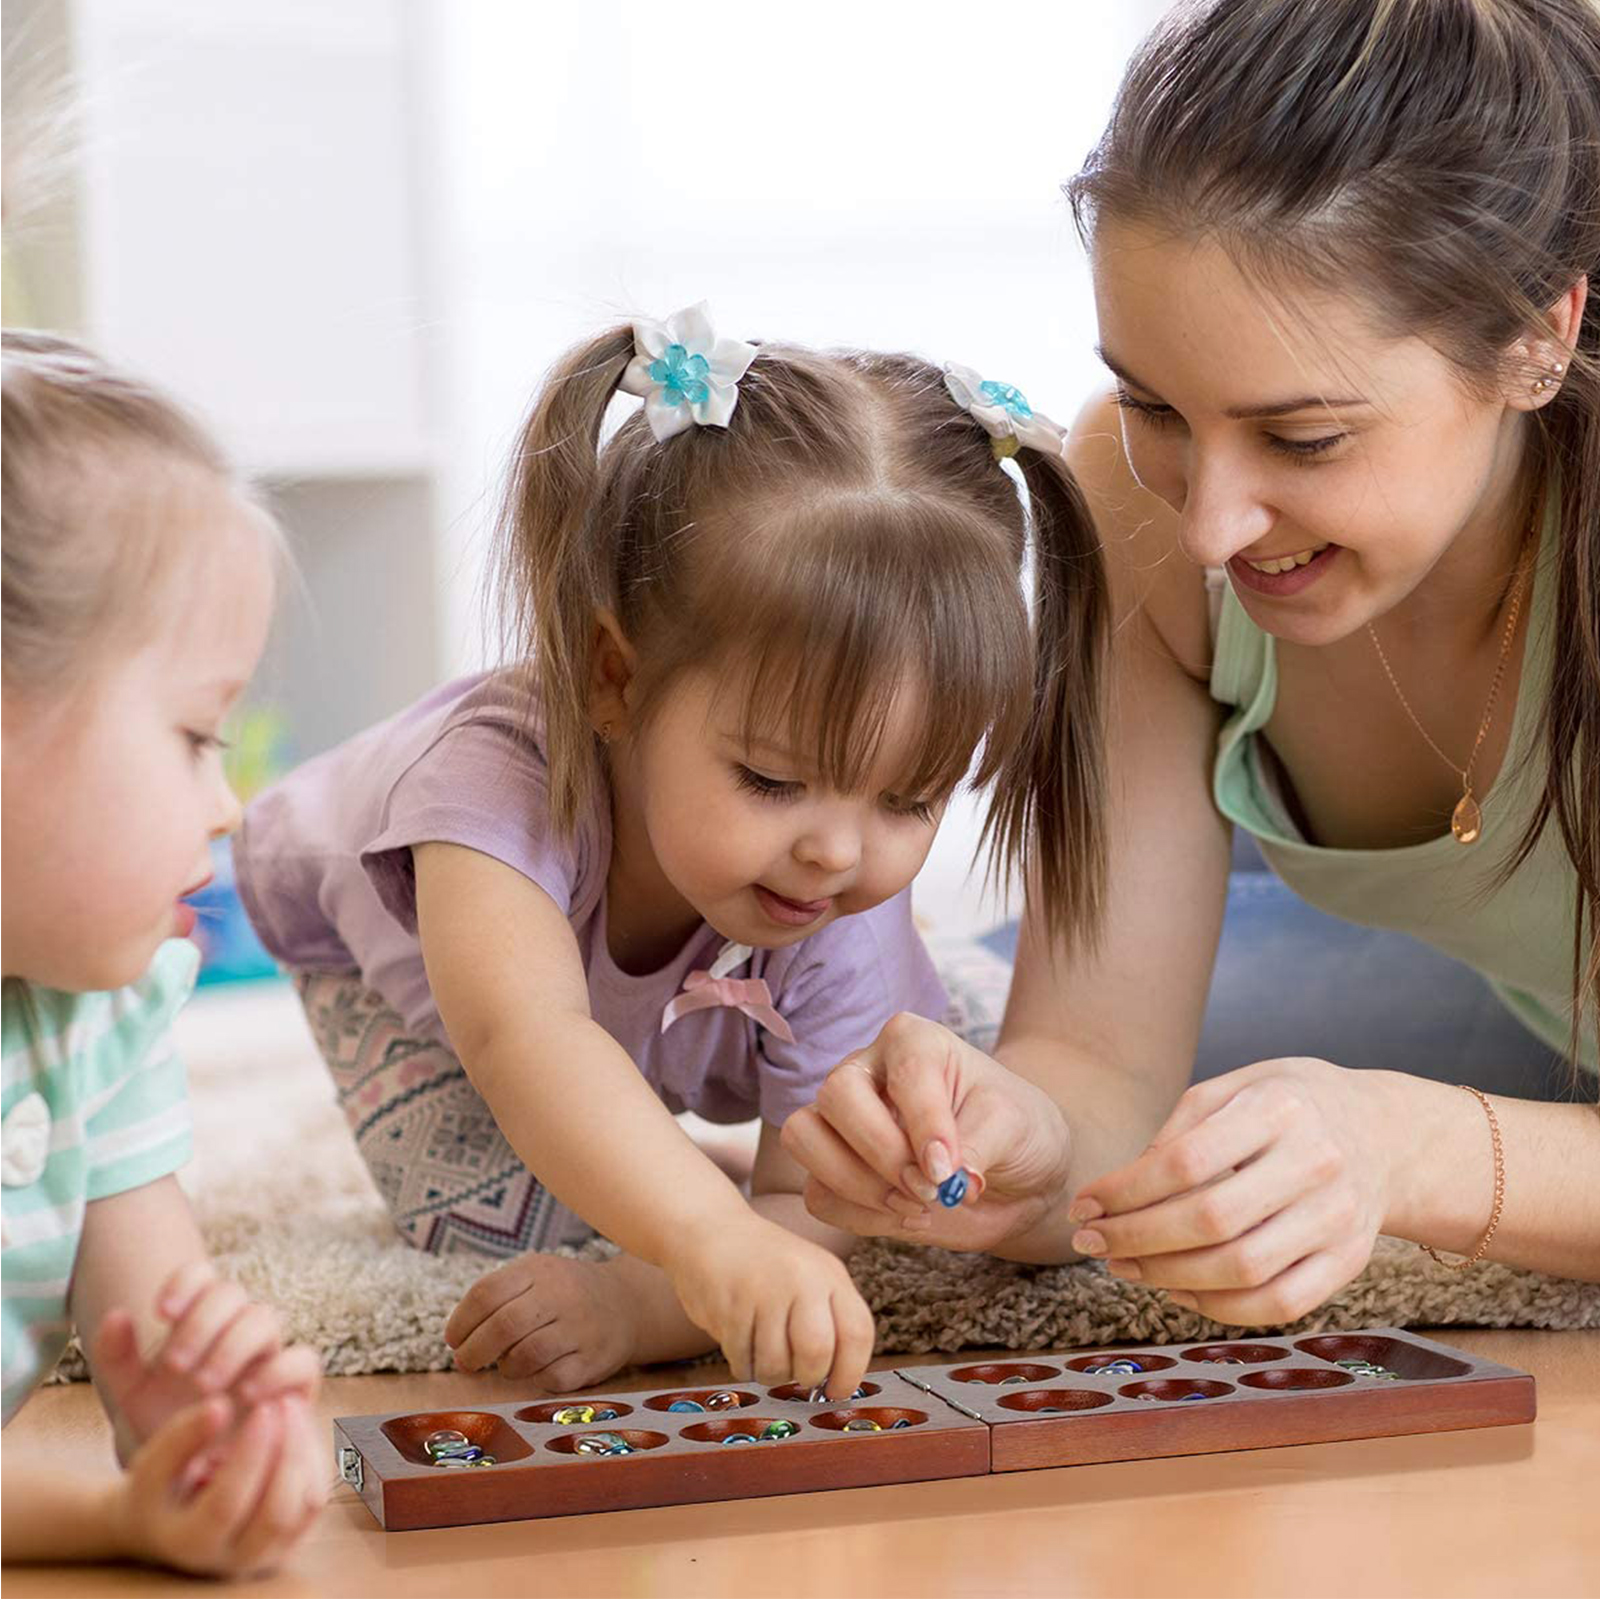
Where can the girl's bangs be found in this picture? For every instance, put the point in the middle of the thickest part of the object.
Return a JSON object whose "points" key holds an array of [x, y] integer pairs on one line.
{"points": [[841, 624]]}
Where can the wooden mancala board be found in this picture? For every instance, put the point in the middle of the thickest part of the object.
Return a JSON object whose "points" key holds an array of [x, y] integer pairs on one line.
{"points": [[957, 1420]]}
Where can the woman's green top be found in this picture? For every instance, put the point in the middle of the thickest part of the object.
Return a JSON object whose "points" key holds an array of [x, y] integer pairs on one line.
{"points": [[1519, 936]]}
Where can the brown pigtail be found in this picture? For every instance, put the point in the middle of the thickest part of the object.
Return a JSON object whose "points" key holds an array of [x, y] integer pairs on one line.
{"points": [[1048, 812], [555, 558]]}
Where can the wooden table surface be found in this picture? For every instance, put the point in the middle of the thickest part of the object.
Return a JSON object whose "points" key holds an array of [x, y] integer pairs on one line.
{"points": [[1499, 1511]]}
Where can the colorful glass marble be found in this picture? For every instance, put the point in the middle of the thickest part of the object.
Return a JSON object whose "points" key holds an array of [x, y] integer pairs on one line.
{"points": [[602, 1444]]}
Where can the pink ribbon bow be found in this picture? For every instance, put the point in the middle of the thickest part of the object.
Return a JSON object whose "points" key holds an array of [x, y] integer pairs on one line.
{"points": [[701, 991]]}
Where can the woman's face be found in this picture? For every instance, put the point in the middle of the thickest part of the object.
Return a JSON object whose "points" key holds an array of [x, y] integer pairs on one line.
{"points": [[1329, 466]]}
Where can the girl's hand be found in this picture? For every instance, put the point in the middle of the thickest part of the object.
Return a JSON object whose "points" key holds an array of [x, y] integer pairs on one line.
{"points": [[783, 1309], [1260, 1196], [263, 1493], [561, 1324], [893, 1121], [219, 1343]]}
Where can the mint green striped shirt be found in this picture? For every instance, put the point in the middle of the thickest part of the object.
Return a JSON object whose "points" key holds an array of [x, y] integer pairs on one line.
{"points": [[94, 1104]]}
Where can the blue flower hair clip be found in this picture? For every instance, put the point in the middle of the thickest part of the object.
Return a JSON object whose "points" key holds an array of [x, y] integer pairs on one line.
{"points": [[685, 374], [1003, 412]]}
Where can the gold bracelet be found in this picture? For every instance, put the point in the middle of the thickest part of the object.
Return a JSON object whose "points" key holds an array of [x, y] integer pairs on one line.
{"points": [[1499, 1190]]}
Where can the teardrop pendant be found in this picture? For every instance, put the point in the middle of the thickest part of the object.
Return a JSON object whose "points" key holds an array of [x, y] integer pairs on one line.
{"points": [[1466, 821]]}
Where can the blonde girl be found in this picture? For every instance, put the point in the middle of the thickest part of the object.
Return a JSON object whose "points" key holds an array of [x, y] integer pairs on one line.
{"points": [[138, 582]]}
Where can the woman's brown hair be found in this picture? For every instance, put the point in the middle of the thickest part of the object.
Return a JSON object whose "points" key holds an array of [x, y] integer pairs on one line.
{"points": [[848, 536], [1442, 158]]}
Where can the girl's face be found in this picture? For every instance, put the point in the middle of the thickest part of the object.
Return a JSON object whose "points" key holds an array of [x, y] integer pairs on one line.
{"points": [[111, 799], [1328, 466], [751, 837]]}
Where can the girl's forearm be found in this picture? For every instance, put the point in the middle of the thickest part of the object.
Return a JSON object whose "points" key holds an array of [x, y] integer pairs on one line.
{"points": [[51, 1516], [1441, 1160], [573, 1093], [789, 1211]]}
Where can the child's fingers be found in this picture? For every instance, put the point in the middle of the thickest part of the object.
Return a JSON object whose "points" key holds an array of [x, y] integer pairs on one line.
{"points": [[737, 1340], [255, 1332], [770, 1359], [811, 1340], [538, 1351], [280, 1512], [854, 1336], [201, 1469], [492, 1291], [315, 1482], [160, 1464], [815, 1146], [182, 1287], [297, 1370], [229, 1501], [503, 1329], [114, 1357], [212, 1310]]}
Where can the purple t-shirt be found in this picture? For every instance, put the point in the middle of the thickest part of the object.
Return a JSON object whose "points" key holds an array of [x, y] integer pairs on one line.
{"points": [[325, 870]]}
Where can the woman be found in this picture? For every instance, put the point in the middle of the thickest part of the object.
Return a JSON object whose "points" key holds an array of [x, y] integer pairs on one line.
{"points": [[1349, 487]]}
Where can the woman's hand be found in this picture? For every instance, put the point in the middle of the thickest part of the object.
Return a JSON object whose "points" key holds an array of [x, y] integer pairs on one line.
{"points": [[783, 1309], [1260, 1196], [893, 1121]]}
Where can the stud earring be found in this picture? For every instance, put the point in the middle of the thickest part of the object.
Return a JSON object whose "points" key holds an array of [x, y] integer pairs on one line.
{"points": [[604, 733]]}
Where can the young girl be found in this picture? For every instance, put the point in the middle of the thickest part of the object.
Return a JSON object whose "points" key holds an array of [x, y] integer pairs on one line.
{"points": [[1342, 252], [137, 588], [662, 862]]}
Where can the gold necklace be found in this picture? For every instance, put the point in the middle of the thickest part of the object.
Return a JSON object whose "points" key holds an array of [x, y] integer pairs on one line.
{"points": [[1466, 821]]}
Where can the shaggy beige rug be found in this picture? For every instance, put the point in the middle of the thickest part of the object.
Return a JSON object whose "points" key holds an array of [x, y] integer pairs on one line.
{"points": [[288, 1209]]}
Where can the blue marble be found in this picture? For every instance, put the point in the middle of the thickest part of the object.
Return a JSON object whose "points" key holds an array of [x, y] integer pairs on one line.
{"points": [[954, 1189]]}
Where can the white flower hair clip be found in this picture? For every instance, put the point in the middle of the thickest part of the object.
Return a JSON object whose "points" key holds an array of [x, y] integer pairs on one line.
{"points": [[685, 374], [1004, 414]]}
